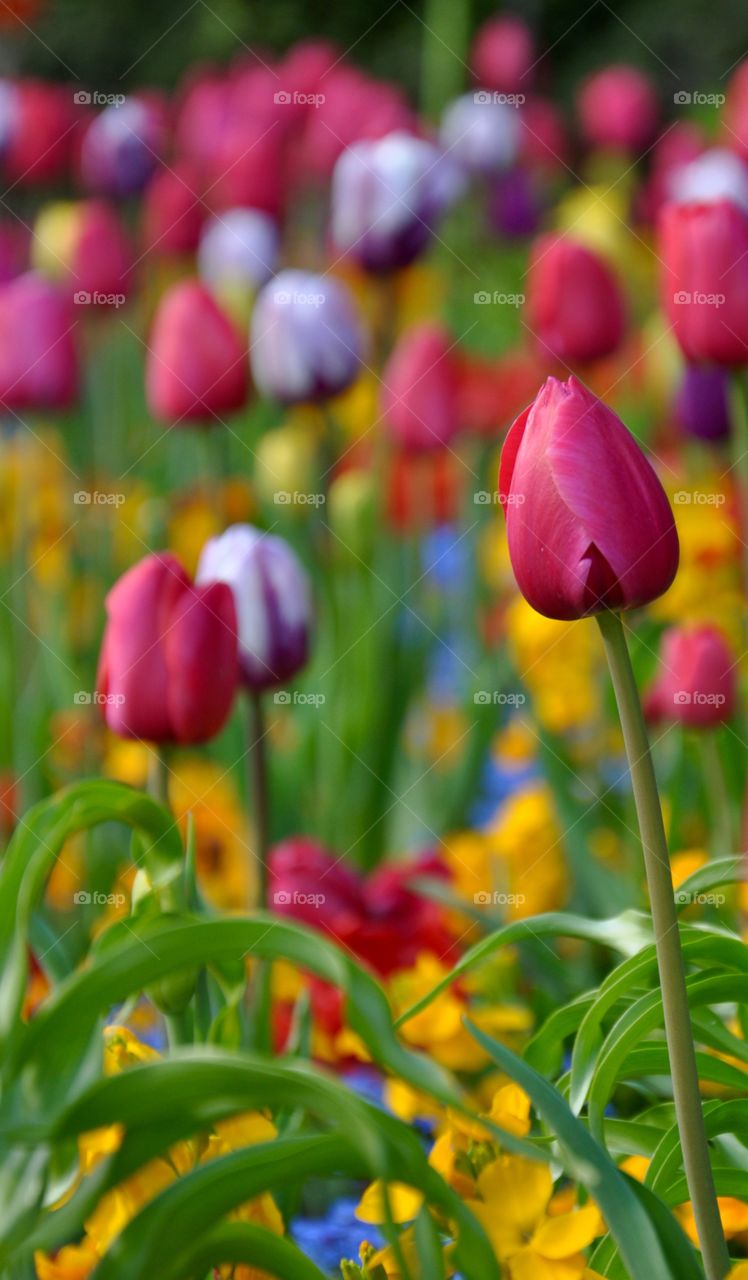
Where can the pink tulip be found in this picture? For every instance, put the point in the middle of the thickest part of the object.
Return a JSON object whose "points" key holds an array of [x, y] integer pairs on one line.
{"points": [[575, 307], [84, 246], [696, 682], [704, 286], [168, 667], [544, 142], [196, 367], [420, 390], [504, 54], [355, 107], [173, 212], [42, 133], [618, 108], [38, 360], [588, 522]]}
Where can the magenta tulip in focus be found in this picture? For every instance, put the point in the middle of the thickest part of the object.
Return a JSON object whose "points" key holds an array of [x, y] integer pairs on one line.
{"points": [[588, 523], [273, 601], [696, 683], [196, 367], [420, 390], [168, 667], [503, 54], [575, 307], [704, 285], [38, 358], [618, 109]]}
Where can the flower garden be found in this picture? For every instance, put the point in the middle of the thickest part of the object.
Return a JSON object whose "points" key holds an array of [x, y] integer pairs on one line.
{"points": [[373, 736]]}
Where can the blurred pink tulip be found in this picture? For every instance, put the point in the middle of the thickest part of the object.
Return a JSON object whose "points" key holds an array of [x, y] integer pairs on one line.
{"points": [[575, 307], [420, 390], [196, 368], [38, 359], [704, 284], [618, 109], [696, 682]]}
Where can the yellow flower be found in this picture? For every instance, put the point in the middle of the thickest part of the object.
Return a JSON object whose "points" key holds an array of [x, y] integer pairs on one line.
{"points": [[527, 855], [405, 1202], [73, 1262], [733, 1214], [513, 1208], [560, 663]]}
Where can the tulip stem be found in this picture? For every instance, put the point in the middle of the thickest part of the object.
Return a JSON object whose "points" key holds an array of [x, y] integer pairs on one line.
{"points": [[739, 440], [258, 782], [158, 777], [678, 1031]]}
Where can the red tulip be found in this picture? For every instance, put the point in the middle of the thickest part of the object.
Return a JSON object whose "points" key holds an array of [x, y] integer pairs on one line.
{"points": [[246, 168], [588, 522], [504, 54], [704, 248], [38, 360], [43, 133], [618, 108], [696, 681], [169, 665], [544, 144], [172, 211], [575, 307], [420, 391], [735, 114], [197, 365]]}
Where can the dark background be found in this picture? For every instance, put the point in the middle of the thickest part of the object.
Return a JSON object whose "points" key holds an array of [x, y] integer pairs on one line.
{"points": [[125, 43]]}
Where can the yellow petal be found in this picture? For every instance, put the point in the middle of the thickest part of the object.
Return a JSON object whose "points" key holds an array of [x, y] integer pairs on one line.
{"points": [[405, 1202], [566, 1235], [518, 1189]]}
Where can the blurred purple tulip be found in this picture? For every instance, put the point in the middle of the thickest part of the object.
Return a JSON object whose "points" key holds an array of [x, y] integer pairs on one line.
{"points": [[481, 132], [122, 147], [702, 403], [386, 197], [305, 339], [272, 597], [238, 247]]}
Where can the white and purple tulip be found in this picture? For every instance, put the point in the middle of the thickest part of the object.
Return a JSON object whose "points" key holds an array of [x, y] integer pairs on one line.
{"points": [[122, 147], [273, 601], [481, 134], [305, 338], [240, 247], [386, 198]]}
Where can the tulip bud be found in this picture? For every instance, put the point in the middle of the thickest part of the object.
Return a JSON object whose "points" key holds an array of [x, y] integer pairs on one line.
{"points": [[715, 175], [286, 463], [173, 212], [122, 147], [618, 108], [168, 666], [575, 307], [702, 403], [483, 137], [352, 514], [588, 524], [544, 143], [196, 367], [38, 360], [273, 601], [353, 107], [386, 197], [704, 285], [503, 54], [240, 247], [84, 246], [695, 683], [420, 390], [40, 132], [305, 338]]}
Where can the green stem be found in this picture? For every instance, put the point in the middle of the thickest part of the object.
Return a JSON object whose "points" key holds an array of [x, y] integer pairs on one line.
{"points": [[739, 443], [258, 783], [718, 795], [678, 1032], [158, 776]]}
